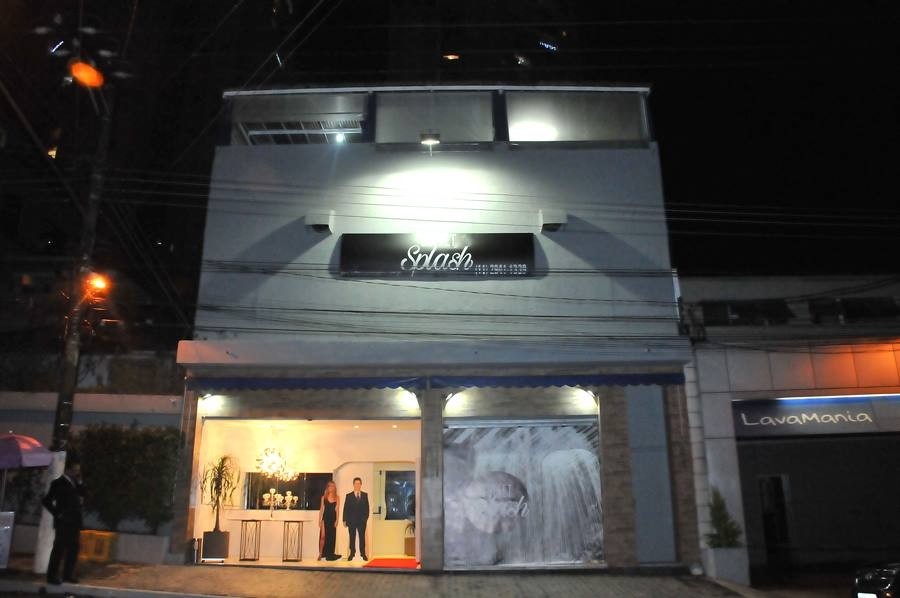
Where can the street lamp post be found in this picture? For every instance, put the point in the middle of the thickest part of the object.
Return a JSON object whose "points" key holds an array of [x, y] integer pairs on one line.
{"points": [[68, 378], [81, 294]]}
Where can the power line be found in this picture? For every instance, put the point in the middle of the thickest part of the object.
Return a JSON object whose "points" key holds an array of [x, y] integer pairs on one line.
{"points": [[268, 58], [495, 316], [380, 192], [816, 216], [859, 226], [842, 20]]}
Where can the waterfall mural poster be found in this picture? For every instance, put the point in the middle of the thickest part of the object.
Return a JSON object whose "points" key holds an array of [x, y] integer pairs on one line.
{"points": [[524, 494]]}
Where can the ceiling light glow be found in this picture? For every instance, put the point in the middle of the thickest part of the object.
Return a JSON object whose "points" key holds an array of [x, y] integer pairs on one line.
{"points": [[532, 130]]}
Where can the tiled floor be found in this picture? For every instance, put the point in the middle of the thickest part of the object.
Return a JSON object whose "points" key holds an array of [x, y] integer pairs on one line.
{"points": [[261, 582], [343, 563]]}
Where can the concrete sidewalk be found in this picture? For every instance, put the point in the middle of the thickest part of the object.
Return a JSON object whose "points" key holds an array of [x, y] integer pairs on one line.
{"points": [[164, 581]]}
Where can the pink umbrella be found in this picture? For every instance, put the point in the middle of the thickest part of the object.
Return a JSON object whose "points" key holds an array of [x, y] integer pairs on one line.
{"points": [[20, 451]]}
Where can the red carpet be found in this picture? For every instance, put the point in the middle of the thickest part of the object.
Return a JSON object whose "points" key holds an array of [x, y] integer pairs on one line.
{"points": [[393, 564]]}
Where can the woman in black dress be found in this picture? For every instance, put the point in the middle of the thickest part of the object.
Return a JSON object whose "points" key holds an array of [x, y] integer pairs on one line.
{"points": [[328, 511]]}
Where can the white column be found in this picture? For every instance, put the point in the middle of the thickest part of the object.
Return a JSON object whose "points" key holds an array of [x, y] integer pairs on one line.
{"points": [[45, 531]]}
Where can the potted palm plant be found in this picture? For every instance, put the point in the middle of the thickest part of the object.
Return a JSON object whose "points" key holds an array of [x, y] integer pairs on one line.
{"points": [[217, 485]]}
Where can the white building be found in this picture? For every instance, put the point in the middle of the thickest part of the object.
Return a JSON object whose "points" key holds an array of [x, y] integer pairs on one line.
{"points": [[461, 295], [795, 401]]}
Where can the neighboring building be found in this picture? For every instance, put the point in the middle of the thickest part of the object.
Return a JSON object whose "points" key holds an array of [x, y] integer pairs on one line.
{"points": [[32, 414], [794, 398], [483, 329]]}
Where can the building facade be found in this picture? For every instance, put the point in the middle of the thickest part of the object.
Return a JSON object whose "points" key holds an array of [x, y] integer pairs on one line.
{"points": [[462, 296], [794, 399]]}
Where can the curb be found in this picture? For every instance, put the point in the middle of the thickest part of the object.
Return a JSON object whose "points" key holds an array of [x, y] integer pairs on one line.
{"points": [[741, 590], [70, 589]]}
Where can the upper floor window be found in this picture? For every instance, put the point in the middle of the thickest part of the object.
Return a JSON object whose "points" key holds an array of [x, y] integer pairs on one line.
{"points": [[455, 116], [830, 310], [292, 119], [575, 116], [745, 313]]}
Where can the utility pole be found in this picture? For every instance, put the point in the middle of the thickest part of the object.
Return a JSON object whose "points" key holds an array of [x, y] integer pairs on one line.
{"points": [[68, 376]]}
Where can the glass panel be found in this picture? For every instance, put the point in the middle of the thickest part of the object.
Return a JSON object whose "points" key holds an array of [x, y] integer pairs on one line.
{"points": [[746, 313], [825, 310], [759, 313], [400, 494], [715, 313], [459, 117], [575, 116], [308, 487], [529, 494], [301, 118], [869, 308], [309, 107]]}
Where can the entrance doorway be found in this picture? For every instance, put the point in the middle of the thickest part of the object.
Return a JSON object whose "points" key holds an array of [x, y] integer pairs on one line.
{"points": [[774, 498], [391, 489], [393, 519]]}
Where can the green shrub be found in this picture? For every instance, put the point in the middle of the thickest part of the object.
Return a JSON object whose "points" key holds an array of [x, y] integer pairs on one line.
{"points": [[726, 531], [128, 472]]}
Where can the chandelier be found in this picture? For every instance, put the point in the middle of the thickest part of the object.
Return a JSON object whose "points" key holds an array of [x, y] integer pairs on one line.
{"points": [[272, 465]]}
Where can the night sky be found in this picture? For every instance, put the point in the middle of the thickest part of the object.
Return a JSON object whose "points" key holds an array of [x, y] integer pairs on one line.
{"points": [[777, 122]]}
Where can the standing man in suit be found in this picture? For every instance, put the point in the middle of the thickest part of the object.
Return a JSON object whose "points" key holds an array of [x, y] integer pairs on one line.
{"points": [[356, 514], [63, 500]]}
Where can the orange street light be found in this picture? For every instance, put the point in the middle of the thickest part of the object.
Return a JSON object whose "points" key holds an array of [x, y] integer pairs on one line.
{"points": [[85, 73], [97, 282]]}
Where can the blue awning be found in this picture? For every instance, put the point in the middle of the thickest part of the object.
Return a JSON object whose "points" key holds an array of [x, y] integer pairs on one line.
{"points": [[558, 380], [241, 383], [236, 383]]}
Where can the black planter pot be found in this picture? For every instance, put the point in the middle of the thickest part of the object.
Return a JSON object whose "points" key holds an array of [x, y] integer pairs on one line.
{"points": [[215, 545]]}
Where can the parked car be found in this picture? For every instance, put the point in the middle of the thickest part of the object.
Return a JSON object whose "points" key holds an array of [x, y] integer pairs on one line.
{"points": [[878, 581]]}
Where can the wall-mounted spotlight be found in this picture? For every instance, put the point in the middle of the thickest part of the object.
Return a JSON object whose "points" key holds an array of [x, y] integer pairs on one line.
{"points": [[552, 220], [321, 222], [430, 138]]}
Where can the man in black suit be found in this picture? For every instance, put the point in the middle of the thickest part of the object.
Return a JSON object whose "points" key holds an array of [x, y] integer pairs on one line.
{"points": [[356, 514], [63, 500]]}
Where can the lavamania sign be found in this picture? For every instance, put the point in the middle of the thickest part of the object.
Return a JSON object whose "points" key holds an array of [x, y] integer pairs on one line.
{"points": [[816, 415], [469, 255]]}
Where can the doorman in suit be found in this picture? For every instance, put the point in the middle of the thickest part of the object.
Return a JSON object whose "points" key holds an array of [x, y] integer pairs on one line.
{"points": [[63, 500], [356, 514]]}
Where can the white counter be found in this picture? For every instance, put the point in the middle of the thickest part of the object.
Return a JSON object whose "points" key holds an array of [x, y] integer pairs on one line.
{"points": [[271, 531]]}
